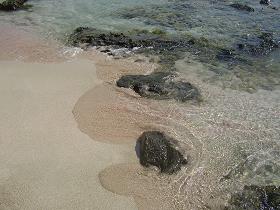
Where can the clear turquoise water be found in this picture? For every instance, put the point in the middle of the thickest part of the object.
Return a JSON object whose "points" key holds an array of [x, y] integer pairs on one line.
{"points": [[214, 20], [57, 17], [208, 18]]}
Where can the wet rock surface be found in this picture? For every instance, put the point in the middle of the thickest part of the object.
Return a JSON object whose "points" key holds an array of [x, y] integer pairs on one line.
{"points": [[265, 2], [157, 85], [160, 85], [85, 36], [157, 149], [12, 5], [242, 7], [170, 48], [261, 45], [256, 198]]}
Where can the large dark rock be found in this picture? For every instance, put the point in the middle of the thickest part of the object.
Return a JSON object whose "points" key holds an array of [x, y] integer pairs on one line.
{"points": [[157, 149], [242, 7], [261, 45], [256, 198], [266, 2], [159, 86], [85, 36], [12, 5], [170, 48]]}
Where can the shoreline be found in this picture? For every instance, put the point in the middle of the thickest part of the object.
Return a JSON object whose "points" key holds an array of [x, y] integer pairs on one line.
{"points": [[210, 134], [46, 161]]}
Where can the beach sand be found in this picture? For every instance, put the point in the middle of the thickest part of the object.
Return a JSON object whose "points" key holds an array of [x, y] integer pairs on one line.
{"points": [[68, 134], [46, 162]]}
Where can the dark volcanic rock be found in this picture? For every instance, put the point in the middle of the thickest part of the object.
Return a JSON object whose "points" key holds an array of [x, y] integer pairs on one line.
{"points": [[157, 149], [226, 55], [159, 86], [93, 37], [242, 7], [266, 2], [85, 36], [263, 45], [12, 5], [256, 198], [170, 48]]}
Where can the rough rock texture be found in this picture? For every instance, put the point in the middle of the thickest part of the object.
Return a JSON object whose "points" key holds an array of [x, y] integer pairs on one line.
{"points": [[159, 86], [12, 5], [266, 2], [156, 149], [256, 198], [262, 45], [168, 47], [85, 36], [226, 55], [242, 7]]}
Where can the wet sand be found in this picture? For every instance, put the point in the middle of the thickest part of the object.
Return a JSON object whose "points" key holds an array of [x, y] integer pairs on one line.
{"points": [[46, 162], [18, 44], [230, 132]]}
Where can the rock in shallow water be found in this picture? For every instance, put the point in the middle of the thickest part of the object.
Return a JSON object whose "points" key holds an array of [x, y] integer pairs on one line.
{"points": [[12, 5], [242, 7], [156, 149], [266, 2], [256, 198], [263, 45], [159, 85], [85, 36]]}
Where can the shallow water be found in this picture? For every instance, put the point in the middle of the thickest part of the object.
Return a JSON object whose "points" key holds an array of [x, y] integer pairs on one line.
{"points": [[56, 17], [232, 138], [212, 20]]}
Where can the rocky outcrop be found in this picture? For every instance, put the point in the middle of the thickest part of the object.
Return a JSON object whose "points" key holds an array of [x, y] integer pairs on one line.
{"points": [[159, 85], [264, 44], [256, 198], [12, 5], [169, 48], [157, 149], [265, 2], [242, 7], [85, 36]]}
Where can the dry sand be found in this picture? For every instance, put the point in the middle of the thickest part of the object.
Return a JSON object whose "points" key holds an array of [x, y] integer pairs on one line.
{"points": [[46, 162]]}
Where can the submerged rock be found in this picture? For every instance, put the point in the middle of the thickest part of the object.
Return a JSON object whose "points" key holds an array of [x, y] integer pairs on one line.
{"points": [[159, 86], [170, 48], [264, 44], [242, 7], [175, 15], [256, 198], [12, 5], [266, 2], [157, 149], [85, 36], [226, 55]]}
